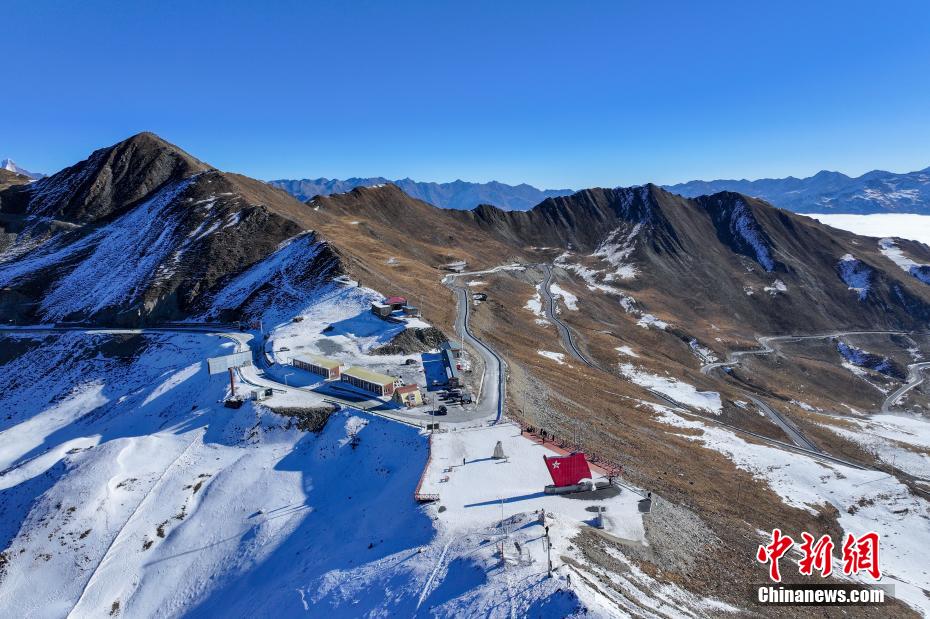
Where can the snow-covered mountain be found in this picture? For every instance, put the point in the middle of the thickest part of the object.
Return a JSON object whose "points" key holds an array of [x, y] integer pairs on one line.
{"points": [[142, 231], [459, 195], [829, 192], [10, 166]]}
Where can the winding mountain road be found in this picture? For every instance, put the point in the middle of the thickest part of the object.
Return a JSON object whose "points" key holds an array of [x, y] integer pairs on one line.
{"points": [[568, 343], [491, 402], [914, 378], [766, 342]]}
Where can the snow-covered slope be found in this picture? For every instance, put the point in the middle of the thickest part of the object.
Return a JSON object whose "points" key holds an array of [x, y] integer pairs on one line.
{"points": [[126, 488]]}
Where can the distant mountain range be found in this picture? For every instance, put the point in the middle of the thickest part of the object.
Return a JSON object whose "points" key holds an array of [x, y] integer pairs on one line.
{"points": [[458, 195], [829, 192], [825, 192], [10, 166]]}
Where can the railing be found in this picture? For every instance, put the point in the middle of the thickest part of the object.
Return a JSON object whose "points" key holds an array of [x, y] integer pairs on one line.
{"points": [[418, 496], [610, 467]]}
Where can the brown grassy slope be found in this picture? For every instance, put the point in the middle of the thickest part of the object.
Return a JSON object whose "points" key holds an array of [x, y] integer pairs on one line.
{"points": [[604, 411], [397, 244], [606, 414], [9, 179]]}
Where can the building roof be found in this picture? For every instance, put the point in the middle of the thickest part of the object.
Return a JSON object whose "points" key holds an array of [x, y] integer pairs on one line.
{"points": [[323, 362], [407, 389], [450, 345], [368, 375], [379, 304], [451, 366], [395, 300]]}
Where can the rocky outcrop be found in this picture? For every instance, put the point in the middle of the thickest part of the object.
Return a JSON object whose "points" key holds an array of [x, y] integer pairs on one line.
{"points": [[411, 341]]}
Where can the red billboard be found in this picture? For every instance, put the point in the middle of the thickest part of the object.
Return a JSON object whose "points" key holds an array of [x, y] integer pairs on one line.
{"points": [[568, 470]]}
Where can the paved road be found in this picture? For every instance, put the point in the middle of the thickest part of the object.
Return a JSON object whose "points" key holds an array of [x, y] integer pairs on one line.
{"points": [[914, 378], [491, 401], [766, 342], [565, 334], [788, 427], [766, 346]]}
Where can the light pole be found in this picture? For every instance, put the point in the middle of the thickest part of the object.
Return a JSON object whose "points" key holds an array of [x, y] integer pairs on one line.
{"points": [[549, 550]]}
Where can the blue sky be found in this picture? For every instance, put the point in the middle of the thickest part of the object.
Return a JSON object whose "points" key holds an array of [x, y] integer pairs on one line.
{"points": [[555, 94]]}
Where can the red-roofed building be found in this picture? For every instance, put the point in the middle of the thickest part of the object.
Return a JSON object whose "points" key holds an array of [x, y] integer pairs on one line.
{"points": [[396, 302]]}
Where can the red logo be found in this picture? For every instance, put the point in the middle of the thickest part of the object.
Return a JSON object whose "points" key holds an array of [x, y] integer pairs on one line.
{"points": [[816, 555], [773, 552], [859, 554]]}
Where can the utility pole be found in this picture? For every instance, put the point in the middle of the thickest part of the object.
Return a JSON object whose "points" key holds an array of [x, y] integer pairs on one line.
{"points": [[232, 384]]}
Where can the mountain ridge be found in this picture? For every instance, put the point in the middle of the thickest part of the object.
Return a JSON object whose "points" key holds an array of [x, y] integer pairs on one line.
{"points": [[876, 191], [141, 231], [458, 194]]}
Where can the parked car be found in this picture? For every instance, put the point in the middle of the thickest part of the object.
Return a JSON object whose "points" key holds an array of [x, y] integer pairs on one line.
{"points": [[466, 398], [410, 362], [442, 410]]}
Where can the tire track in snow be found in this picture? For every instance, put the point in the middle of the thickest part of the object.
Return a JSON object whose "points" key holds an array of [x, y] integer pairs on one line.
{"points": [[427, 588], [144, 500]]}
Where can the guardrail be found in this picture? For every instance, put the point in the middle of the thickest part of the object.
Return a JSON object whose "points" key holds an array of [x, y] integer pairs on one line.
{"points": [[610, 467]]}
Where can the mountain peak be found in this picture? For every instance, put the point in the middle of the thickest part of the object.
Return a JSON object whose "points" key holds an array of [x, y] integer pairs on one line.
{"points": [[10, 166], [112, 179]]}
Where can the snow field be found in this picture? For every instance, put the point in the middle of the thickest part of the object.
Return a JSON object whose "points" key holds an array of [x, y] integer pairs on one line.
{"points": [[903, 225], [473, 494]]}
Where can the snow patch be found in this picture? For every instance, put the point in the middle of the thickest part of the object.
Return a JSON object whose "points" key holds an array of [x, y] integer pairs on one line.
{"points": [[743, 223], [777, 287], [675, 389], [558, 357], [855, 274], [570, 300], [626, 350]]}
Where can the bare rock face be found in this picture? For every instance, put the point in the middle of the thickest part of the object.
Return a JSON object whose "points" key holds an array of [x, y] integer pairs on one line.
{"points": [[109, 182], [411, 341]]}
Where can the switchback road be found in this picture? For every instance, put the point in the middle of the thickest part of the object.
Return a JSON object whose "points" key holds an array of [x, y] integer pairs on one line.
{"points": [[552, 314]]}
